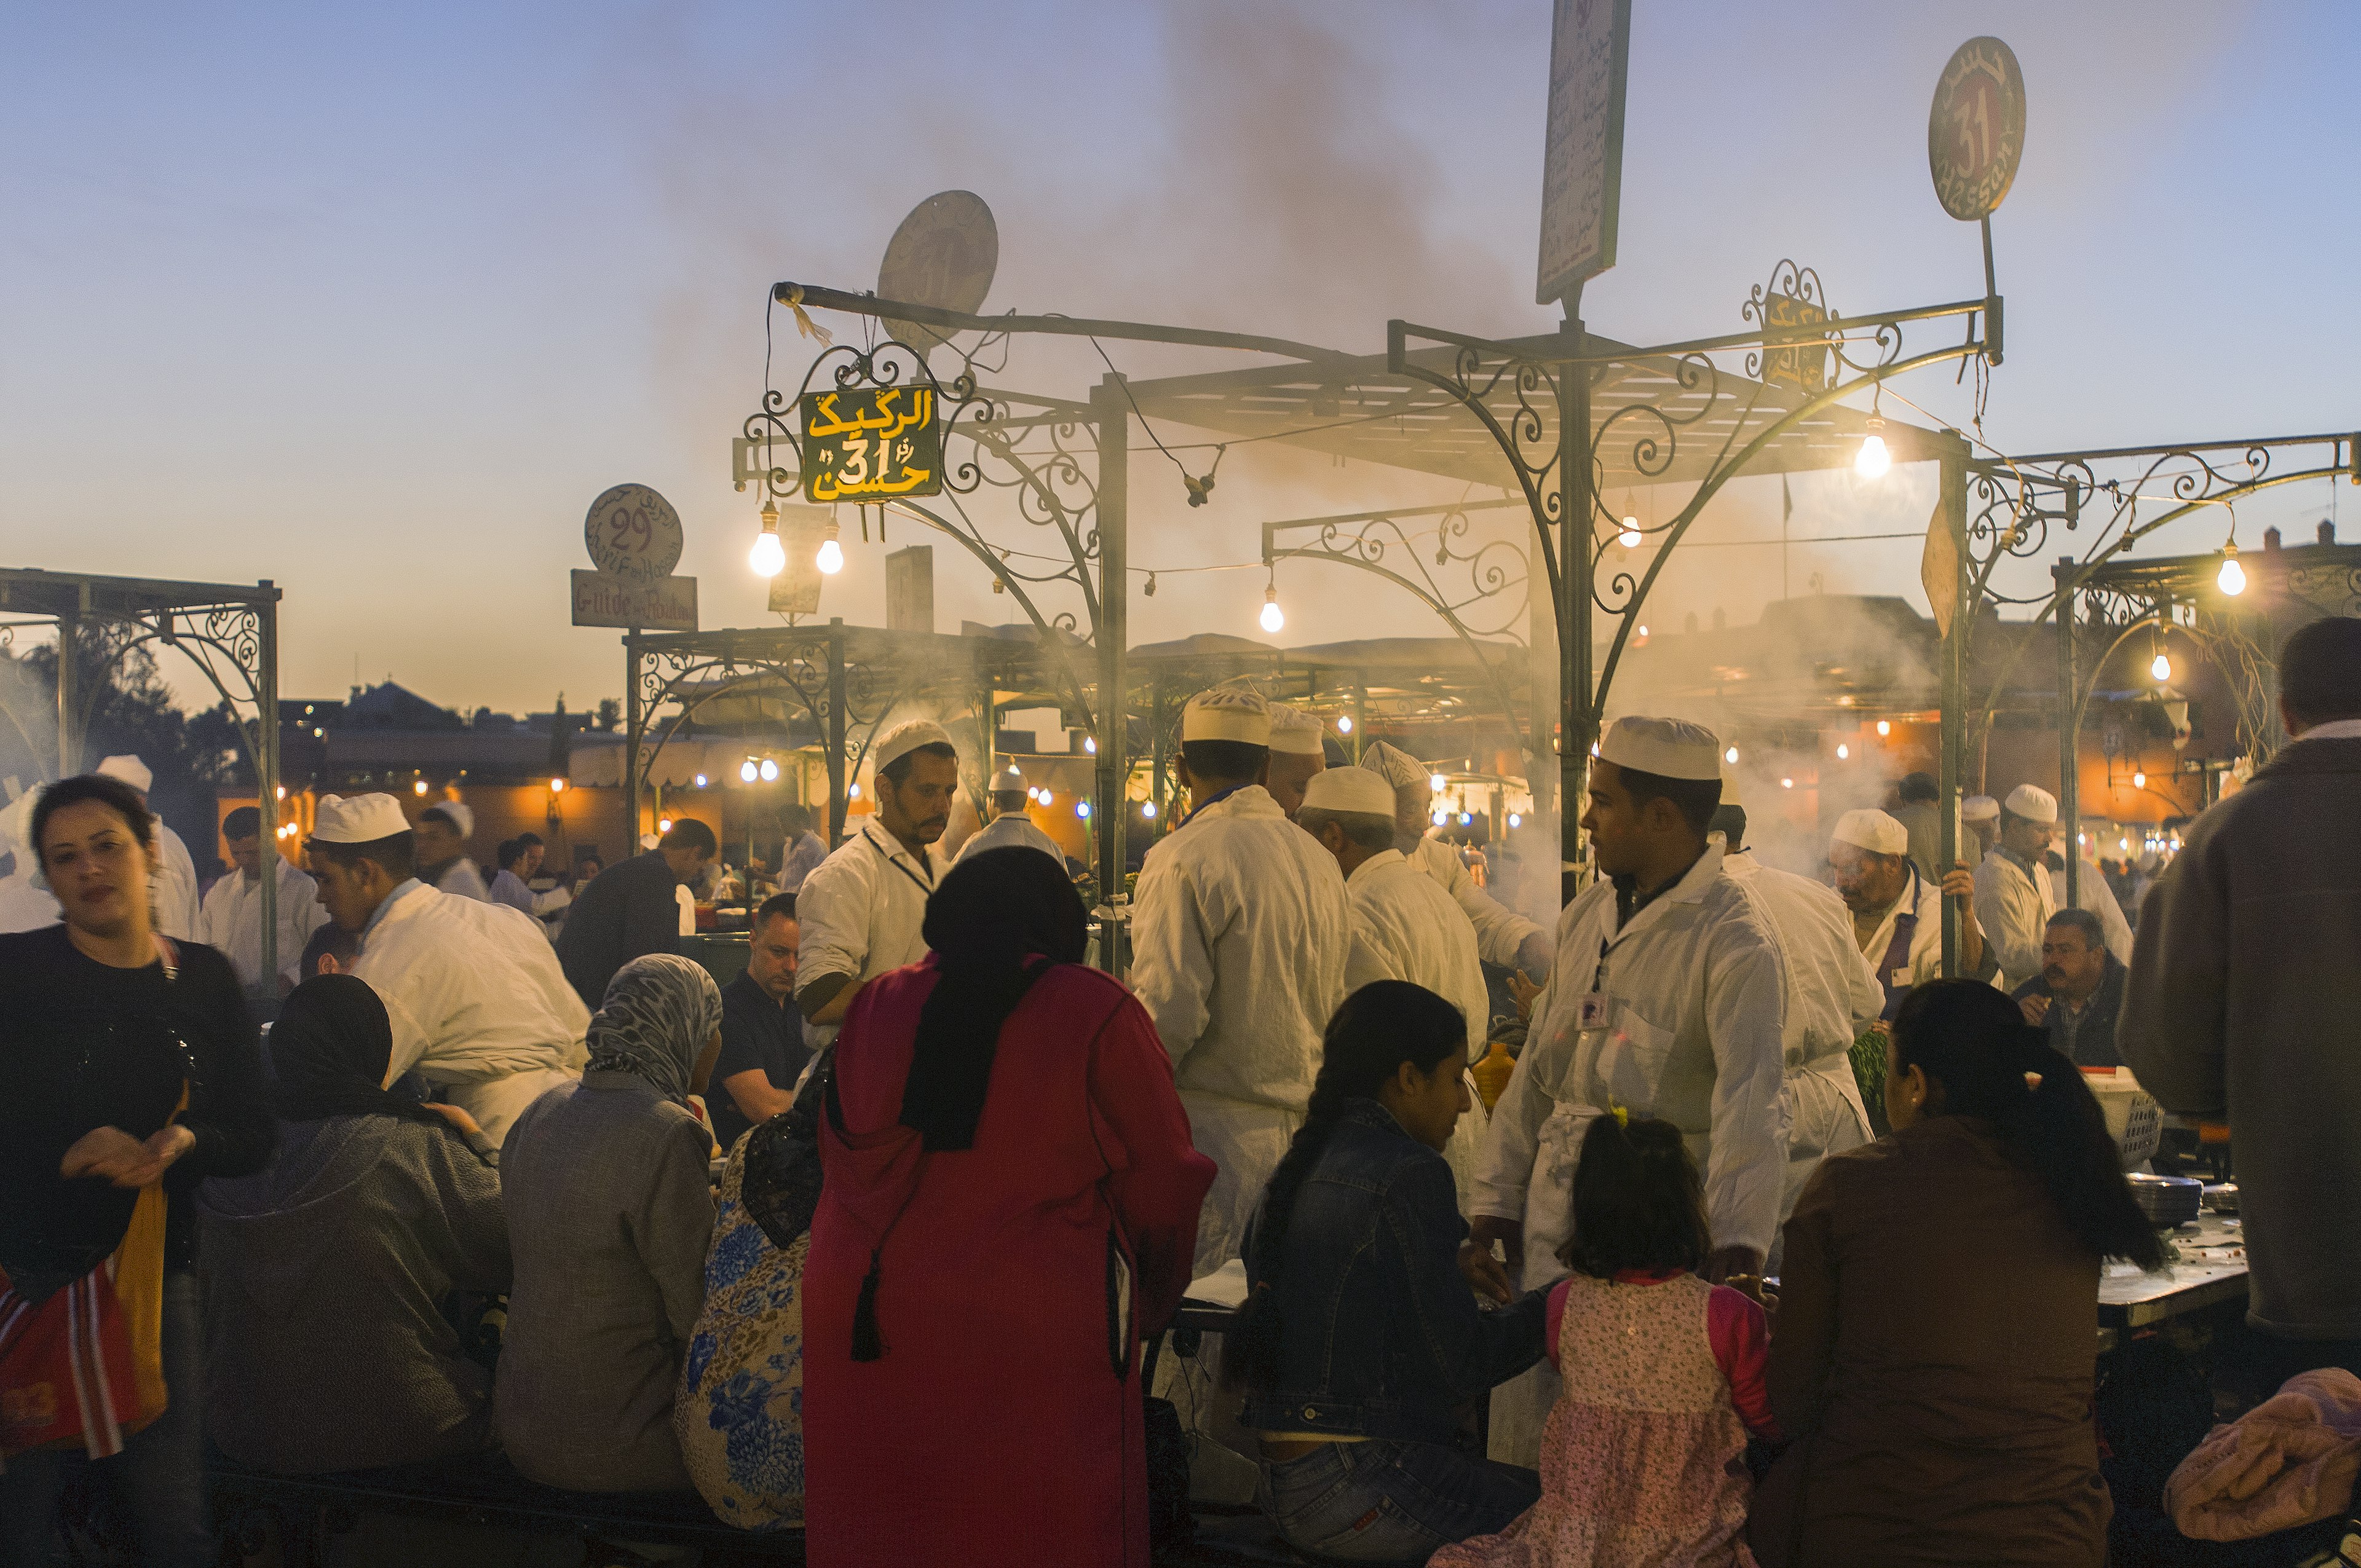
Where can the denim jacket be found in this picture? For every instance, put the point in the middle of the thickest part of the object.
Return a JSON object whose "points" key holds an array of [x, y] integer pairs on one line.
{"points": [[1380, 1336]]}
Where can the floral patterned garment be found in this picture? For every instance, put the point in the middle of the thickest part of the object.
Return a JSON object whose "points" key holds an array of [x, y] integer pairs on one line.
{"points": [[1641, 1457], [738, 1414]]}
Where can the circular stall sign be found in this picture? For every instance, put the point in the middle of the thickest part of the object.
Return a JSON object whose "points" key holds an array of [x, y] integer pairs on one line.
{"points": [[1975, 133], [944, 254], [634, 532]]}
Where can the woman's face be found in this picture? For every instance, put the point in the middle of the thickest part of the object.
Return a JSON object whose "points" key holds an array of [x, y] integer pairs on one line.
{"points": [[1429, 1104], [96, 868]]}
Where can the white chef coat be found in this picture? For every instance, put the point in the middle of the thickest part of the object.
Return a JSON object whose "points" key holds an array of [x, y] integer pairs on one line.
{"points": [[1499, 930], [231, 919], [1406, 928], [478, 1001], [1689, 1027], [24, 906], [464, 879], [1923, 899], [861, 911], [173, 887], [1011, 828], [1240, 932], [2014, 904]]}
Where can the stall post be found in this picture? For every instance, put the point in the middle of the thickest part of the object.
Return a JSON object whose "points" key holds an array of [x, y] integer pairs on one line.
{"points": [[69, 698], [2070, 730], [835, 731], [1952, 463], [1578, 718], [635, 735], [266, 767], [1115, 630]]}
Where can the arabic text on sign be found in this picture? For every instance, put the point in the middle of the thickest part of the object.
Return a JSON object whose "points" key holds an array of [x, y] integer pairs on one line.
{"points": [[869, 443]]}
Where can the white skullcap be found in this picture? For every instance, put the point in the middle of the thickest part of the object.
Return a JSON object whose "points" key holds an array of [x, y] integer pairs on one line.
{"points": [[1669, 748], [1979, 808], [462, 815], [1297, 734], [2033, 803], [649, 840], [1872, 830], [129, 770], [1009, 779], [1396, 766], [905, 739], [1227, 713], [1355, 790], [360, 820]]}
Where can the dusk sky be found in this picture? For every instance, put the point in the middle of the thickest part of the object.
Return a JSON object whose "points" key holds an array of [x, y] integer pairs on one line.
{"points": [[373, 300]]}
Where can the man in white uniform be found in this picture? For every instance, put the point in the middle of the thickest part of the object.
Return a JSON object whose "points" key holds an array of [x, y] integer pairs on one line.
{"points": [[1296, 757], [231, 918], [1897, 914], [480, 1004], [1503, 937], [1404, 927], [1240, 932], [1978, 828], [172, 885], [25, 902], [444, 829], [1831, 996], [2014, 898], [1009, 825], [1668, 998], [863, 909]]}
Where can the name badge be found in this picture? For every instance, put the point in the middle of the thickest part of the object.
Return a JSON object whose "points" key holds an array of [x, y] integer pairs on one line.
{"points": [[1901, 977], [1593, 1011]]}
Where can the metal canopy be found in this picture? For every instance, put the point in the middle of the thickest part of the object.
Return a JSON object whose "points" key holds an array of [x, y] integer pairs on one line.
{"points": [[1356, 408]]}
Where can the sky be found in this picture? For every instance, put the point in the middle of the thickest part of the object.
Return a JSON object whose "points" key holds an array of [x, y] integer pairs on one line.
{"points": [[373, 300]]}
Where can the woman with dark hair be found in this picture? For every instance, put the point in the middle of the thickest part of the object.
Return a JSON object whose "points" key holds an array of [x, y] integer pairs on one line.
{"points": [[1359, 1341], [128, 1074], [313, 1365], [1938, 1313], [1009, 1204]]}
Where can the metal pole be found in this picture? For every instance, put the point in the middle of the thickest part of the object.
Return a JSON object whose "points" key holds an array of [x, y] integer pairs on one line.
{"points": [[1577, 718], [1360, 720], [2070, 730], [1107, 399], [265, 773], [1157, 762], [635, 734], [69, 698], [1953, 494], [835, 731]]}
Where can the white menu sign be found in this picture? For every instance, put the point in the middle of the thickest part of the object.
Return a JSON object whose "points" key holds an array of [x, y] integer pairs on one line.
{"points": [[1582, 168]]}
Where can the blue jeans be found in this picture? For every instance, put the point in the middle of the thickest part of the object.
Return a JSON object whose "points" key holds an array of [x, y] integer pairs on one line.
{"points": [[157, 1483], [1391, 1502]]}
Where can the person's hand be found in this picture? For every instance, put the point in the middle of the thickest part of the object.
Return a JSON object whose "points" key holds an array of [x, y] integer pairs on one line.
{"points": [[1960, 883], [1534, 955], [456, 1117], [1740, 1267], [1484, 1274], [1523, 993], [1485, 1229], [110, 1154], [2036, 1010]]}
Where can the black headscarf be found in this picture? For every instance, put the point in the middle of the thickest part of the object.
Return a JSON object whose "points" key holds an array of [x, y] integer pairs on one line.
{"points": [[329, 1051], [992, 915]]}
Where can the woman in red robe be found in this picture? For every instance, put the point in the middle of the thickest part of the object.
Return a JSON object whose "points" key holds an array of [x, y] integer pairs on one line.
{"points": [[1008, 1202]]}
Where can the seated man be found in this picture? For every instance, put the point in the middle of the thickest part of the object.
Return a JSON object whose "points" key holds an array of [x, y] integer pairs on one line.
{"points": [[2079, 991], [763, 1049]]}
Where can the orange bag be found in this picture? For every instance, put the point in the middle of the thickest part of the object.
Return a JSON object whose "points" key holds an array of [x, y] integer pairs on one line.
{"points": [[87, 1363]]}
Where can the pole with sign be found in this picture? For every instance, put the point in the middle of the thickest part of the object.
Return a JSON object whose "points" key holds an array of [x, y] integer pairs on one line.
{"points": [[1581, 162], [634, 538]]}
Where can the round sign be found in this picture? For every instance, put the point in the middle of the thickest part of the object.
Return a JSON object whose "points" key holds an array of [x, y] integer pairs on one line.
{"points": [[1975, 133], [943, 255], [633, 532]]}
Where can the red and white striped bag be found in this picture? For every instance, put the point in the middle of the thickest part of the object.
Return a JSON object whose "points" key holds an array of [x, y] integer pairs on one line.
{"points": [[86, 1364]]}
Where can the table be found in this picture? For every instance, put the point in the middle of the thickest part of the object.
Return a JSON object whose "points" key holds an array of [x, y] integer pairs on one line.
{"points": [[2213, 1269]]}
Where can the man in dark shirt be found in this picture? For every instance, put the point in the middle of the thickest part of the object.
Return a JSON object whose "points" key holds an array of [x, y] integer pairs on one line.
{"points": [[763, 1049], [2079, 991], [632, 910]]}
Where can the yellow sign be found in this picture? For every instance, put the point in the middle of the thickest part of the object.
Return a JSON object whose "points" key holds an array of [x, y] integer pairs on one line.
{"points": [[869, 443]]}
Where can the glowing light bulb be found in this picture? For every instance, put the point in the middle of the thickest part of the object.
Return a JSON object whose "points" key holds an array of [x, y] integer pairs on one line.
{"points": [[1872, 460], [1273, 618], [1883, 727], [2139, 781], [2162, 668], [1464, 818], [282, 792], [1083, 809], [769, 557], [770, 771], [1786, 783], [1730, 755], [830, 558], [663, 824], [700, 781], [746, 771], [1516, 819], [1441, 818], [1148, 809], [1630, 537], [1643, 634], [1842, 752], [852, 792], [1091, 744], [1345, 724], [418, 786], [558, 786], [2232, 578], [1435, 783]]}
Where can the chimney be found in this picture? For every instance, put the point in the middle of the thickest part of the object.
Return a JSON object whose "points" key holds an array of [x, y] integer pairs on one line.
{"points": [[2327, 531], [2270, 538]]}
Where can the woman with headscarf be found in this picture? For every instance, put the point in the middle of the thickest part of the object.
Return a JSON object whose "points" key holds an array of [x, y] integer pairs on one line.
{"points": [[610, 1207], [325, 1272], [1009, 1203]]}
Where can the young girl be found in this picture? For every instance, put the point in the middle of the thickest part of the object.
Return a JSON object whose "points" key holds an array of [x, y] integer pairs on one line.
{"points": [[1640, 1460]]}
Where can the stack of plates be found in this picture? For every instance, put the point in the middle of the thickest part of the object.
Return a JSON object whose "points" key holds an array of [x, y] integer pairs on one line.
{"points": [[2223, 1199], [2167, 1201]]}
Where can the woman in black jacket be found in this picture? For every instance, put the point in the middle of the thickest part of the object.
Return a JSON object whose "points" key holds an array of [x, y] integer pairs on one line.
{"points": [[128, 1062], [1361, 1342]]}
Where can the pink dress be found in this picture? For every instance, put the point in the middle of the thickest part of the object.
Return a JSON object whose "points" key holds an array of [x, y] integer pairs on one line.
{"points": [[1643, 1457]]}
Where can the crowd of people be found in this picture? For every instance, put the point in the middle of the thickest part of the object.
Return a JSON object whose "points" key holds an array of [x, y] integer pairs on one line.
{"points": [[877, 1240]]}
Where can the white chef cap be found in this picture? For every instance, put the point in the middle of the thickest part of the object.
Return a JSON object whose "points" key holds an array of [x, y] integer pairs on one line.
{"points": [[1979, 808], [1669, 748], [2033, 803], [904, 738], [1355, 790], [1009, 779], [130, 770], [1872, 830], [1227, 713], [1297, 734], [461, 815], [357, 820], [1396, 766]]}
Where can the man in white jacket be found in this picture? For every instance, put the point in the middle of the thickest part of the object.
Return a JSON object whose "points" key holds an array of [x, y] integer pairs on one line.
{"points": [[480, 1005], [1240, 933], [1503, 937], [2014, 898], [1404, 926], [231, 917], [1668, 999], [172, 885]]}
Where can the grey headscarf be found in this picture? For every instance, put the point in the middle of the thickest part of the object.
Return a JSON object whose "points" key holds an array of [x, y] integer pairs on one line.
{"points": [[659, 1012]]}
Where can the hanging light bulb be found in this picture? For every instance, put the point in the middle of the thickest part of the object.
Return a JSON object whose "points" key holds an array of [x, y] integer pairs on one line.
{"points": [[769, 557], [770, 771], [2139, 781], [2161, 668], [1436, 782], [1091, 744], [1883, 727], [1441, 818], [1786, 783], [1273, 618], [830, 558], [1345, 724], [746, 771], [1147, 810], [852, 792], [1630, 537], [1843, 752], [2232, 578], [1083, 809], [1872, 460], [1516, 819], [1731, 756], [663, 824]]}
